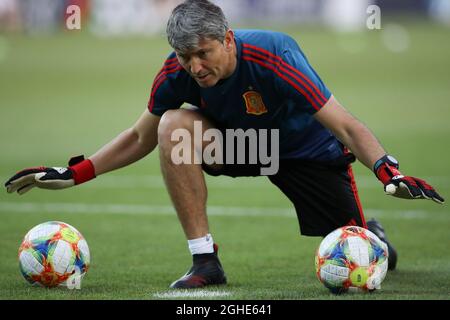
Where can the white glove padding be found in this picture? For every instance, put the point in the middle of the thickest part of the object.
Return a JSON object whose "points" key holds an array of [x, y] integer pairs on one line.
{"points": [[411, 188], [41, 177]]}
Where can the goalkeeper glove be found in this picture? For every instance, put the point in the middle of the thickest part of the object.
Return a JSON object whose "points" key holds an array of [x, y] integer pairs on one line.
{"points": [[78, 171], [398, 185]]}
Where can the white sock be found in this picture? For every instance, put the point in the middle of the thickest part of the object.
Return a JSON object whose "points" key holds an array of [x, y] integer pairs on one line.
{"points": [[201, 245]]}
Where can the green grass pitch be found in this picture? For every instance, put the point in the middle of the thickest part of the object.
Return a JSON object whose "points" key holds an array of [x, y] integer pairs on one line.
{"points": [[69, 94]]}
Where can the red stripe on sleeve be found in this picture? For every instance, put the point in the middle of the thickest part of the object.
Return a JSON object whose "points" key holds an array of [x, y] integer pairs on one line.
{"points": [[171, 60], [314, 104], [277, 63], [167, 67], [160, 78], [270, 54]]}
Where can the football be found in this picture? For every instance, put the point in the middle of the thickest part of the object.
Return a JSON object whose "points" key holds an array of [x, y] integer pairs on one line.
{"points": [[54, 254], [351, 258]]}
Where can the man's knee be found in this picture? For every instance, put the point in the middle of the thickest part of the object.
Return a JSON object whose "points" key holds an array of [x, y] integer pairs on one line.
{"points": [[172, 120]]}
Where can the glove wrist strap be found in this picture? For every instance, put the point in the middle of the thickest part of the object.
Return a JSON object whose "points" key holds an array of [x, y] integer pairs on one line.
{"points": [[83, 171], [386, 168]]}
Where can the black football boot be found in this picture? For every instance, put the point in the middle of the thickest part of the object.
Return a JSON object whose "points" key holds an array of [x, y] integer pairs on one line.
{"points": [[206, 270]]}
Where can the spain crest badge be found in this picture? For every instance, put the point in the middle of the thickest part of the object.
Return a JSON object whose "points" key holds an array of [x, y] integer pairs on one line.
{"points": [[254, 103]]}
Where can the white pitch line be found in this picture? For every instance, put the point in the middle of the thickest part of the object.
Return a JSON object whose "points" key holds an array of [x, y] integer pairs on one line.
{"points": [[61, 207], [191, 294], [142, 209]]}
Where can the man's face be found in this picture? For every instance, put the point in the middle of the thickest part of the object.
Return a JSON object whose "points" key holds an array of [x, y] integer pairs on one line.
{"points": [[211, 61]]}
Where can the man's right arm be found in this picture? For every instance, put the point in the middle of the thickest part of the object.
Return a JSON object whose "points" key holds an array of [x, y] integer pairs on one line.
{"points": [[128, 147]]}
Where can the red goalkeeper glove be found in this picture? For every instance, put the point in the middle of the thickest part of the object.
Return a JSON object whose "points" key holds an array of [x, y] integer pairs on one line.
{"points": [[398, 185], [78, 171]]}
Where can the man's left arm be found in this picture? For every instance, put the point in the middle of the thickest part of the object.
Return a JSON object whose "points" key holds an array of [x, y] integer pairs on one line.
{"points": [[366, 148]]}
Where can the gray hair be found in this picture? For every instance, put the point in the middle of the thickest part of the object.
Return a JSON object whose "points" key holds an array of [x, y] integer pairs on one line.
{"points": [[194, 20]]}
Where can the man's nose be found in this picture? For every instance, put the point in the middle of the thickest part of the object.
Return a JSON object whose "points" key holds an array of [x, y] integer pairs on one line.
{"points": [[195, 66]]}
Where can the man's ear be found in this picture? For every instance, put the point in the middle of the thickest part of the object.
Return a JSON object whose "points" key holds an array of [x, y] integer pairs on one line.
{"points": [[229, 40]]}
